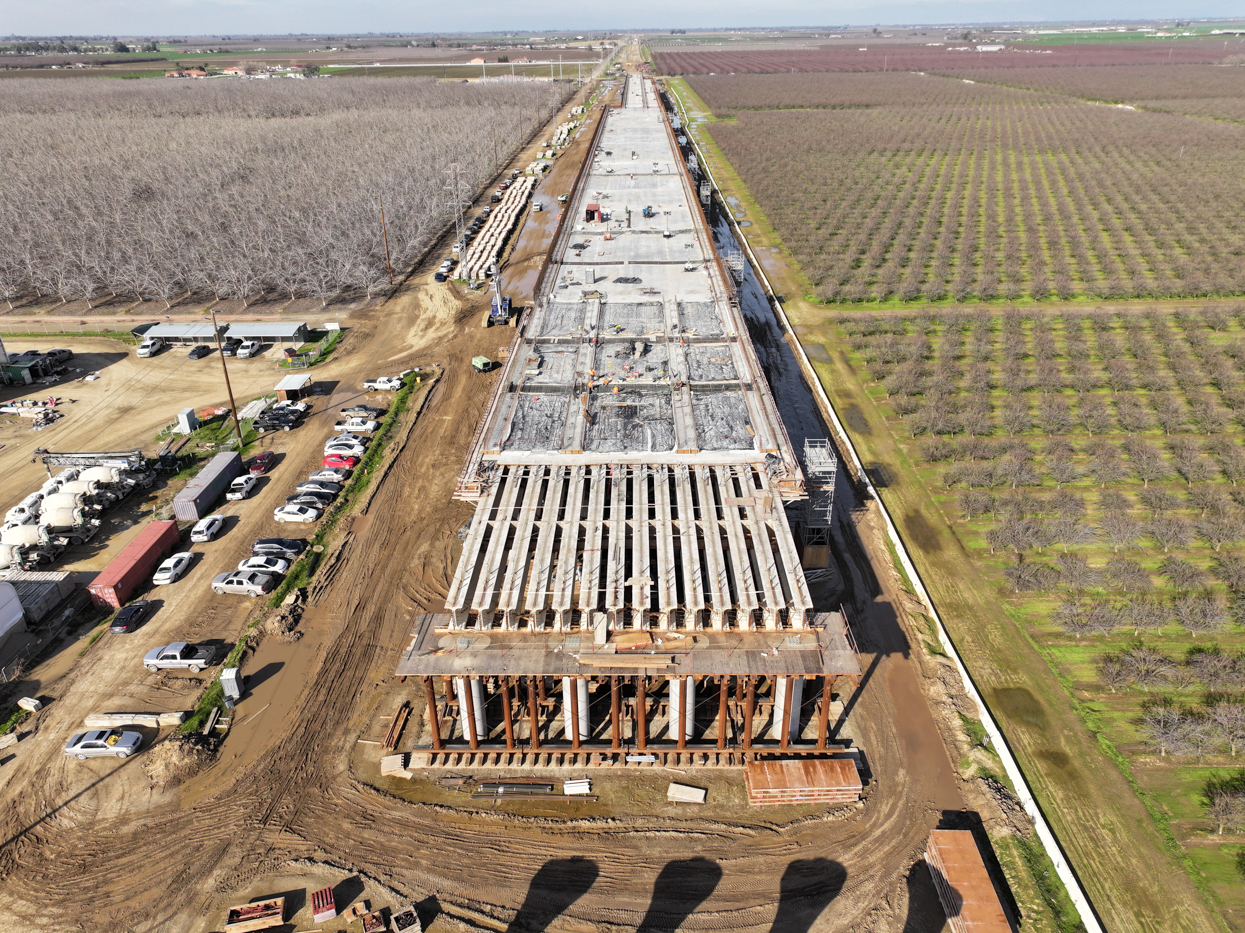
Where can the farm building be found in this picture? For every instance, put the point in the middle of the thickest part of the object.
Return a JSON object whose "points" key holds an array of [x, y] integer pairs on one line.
{"points": [[629, 580], [183, 333], [293, 387], [270, 332]]}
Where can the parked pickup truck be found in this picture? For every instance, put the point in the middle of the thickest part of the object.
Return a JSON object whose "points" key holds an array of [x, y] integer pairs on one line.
{"points": [[193, 658], [384, 384], [363, 425]]}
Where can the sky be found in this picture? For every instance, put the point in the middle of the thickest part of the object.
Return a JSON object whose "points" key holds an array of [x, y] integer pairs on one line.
{"points": [[239, 17]]}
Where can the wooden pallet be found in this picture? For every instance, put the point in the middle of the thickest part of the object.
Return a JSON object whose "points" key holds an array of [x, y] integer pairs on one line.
{"points": [[323, 905]]}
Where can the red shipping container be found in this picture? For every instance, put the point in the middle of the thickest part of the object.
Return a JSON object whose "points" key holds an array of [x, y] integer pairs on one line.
{"points": [[137, 561]]}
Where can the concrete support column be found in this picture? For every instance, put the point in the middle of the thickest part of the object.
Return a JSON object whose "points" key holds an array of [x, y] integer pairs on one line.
{"points": [[641, 713], [823, 715], [575, 708], [750, 705], [682, 704], [504, 682], [434, 721], [788, 696], [615, 714], [471, 708], [533, 708]]}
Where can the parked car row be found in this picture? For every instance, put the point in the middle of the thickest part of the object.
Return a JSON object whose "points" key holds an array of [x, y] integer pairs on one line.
{"points": [[283, 416]]}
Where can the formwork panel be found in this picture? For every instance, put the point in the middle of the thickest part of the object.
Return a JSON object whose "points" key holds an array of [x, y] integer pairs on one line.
{"points": [[964, 887]]}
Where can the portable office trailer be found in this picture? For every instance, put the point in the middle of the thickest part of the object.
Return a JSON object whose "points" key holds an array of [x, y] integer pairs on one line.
{"points": [[201, 493], [137, 561]]}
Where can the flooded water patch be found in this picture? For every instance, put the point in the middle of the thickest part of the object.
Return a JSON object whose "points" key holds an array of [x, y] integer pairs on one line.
{"points": [[1020, 705], [815, 351], [856, 419], [920, 532]]}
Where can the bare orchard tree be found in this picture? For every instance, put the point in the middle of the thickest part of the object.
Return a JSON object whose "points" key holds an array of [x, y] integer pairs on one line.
{"points": [[1224, 798], [1120, 530], [1182, 574], [1215, 668], [1227, 721], [1200, 614], [1158, 500], [1230, 568], [1127, 575], [1172, 728], [1075, 572], [1169, 531], [1145, 615]]}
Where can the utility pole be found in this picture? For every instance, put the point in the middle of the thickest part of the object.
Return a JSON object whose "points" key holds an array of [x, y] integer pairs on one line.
{"points": [[455, 187], [233, 406], [385, 235]]}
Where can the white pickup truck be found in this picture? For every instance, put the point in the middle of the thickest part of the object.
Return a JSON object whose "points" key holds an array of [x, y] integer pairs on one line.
{"points": [[179, 655], [362, 425], [384, 384], [150, 346]]}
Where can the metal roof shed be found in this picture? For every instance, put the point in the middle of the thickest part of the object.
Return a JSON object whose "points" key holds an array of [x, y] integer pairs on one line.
{"points": [[183, 333], [270, 331], [292, 388]]}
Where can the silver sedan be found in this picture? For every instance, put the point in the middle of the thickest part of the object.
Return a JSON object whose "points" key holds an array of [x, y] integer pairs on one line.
{"points": [[103, 742]]}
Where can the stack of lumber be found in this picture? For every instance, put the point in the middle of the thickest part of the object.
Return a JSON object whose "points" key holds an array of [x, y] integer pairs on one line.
{"points": [[395, 766], [964, 887], [802, 780], [261, 915], [396, 725]]}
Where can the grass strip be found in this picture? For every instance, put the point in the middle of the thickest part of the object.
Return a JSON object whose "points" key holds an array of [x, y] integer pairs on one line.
{"points": [[12, 718]]}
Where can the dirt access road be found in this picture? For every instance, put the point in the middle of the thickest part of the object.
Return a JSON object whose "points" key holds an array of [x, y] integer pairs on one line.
{"points": [[89, 846]]}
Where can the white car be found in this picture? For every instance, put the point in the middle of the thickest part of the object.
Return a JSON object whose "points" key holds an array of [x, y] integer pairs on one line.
{"points": [[351, 438], [242, 583], [354, 448], [383, 384], [241, 487], [207, 528], [296, 513], [330, 475], [172, 569], [265, 564], [291, 405]]}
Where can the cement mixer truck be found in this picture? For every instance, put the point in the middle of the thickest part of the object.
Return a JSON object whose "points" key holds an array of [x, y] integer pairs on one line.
{"points": [[70, 526], [29, 546]]}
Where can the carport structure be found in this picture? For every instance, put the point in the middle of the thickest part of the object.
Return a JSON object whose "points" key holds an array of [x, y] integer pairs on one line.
{"points": [[276, 332], [183, 334], [630, 478]]}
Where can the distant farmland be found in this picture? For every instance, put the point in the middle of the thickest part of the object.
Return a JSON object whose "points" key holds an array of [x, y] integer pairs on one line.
{"points": [[159, 189], [894, 57], [921, 187]]}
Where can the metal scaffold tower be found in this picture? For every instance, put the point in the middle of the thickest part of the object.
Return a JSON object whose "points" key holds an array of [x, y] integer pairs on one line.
{"points": [[734, 260], [821, 467]]}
